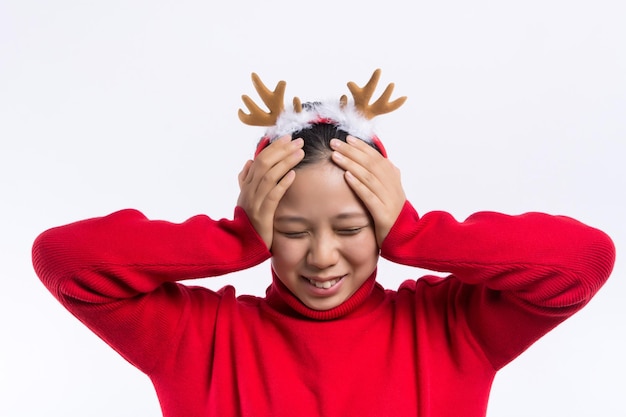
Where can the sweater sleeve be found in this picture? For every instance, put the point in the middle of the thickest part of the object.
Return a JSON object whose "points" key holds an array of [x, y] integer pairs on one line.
{"points": [[513, 278], [117, 274]]}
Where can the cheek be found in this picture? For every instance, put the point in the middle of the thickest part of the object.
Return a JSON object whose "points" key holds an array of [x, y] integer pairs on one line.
{"points": [[287, 253], [363, 251]]}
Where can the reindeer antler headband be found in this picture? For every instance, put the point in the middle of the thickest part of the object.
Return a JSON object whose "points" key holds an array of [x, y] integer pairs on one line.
{"points": [[354, 118]]}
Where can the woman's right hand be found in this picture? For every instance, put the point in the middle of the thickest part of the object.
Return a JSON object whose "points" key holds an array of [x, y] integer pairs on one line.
{"points": [[264, 180]]}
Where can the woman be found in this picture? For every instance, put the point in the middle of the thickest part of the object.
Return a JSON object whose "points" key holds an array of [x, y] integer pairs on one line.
{"points": [[327, 339]]}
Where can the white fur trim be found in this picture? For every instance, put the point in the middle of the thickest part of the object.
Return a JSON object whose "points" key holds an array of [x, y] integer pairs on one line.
{"points": [[346, 118]]}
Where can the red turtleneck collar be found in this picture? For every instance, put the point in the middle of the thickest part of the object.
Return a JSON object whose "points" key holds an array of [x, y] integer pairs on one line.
{"points": [[280, 298]]}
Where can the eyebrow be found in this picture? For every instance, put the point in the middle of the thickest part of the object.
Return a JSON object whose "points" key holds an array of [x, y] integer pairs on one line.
{"points": [[341, 216]]}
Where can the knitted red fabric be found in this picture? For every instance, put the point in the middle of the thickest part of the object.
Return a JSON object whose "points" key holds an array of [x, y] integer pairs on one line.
{"points": [[429, 349]]}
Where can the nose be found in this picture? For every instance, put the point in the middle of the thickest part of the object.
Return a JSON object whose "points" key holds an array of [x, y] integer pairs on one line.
{"points": [[323, 252]]}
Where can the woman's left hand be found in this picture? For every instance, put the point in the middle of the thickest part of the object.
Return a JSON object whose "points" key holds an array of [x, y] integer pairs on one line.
{"points": [[374, 179]]}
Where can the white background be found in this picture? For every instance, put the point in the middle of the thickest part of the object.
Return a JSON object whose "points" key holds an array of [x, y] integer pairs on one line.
{"points": [[513, 107]]}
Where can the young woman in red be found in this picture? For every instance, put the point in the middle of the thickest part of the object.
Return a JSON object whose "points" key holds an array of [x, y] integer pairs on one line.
{"points": [[327, 339]]}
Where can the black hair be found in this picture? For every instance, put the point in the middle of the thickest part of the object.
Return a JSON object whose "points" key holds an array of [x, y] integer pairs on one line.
{"points": [[317, 142]]}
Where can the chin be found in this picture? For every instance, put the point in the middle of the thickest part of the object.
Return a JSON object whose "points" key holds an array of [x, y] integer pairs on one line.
{"points": [[322, 305]]}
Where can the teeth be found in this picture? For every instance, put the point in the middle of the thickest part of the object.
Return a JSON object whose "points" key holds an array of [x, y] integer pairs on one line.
{"points": [[325, 284]]}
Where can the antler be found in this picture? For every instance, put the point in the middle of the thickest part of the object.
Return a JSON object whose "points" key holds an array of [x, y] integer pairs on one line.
{"points": [[363, 95], [274, 100]]}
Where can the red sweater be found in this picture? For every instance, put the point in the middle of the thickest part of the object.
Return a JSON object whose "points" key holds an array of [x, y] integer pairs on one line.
{"points": [[429, 349]]}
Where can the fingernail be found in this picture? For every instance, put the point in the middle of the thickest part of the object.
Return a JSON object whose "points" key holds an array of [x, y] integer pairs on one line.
{"points": [[338, 157], [298, 143], [351, 139], [335, 143]]}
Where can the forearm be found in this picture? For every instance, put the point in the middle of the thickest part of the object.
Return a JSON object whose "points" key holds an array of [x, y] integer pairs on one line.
{"points": [[549, 260], [124, 253], [513, 278]]}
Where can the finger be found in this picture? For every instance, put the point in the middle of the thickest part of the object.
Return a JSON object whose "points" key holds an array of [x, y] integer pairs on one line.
{"points": [[273, 176], [356, 149], [244, 172], [357, 153], [278, 146], [384, 209], [374, 171], [371, 200], [276, 193], [273, 155], [374, 205], [268, 206], [370, 174], [261, 179]]}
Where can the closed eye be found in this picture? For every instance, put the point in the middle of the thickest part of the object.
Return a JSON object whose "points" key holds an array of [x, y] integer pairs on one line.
{"points": [[350, 231], [293, 235]]}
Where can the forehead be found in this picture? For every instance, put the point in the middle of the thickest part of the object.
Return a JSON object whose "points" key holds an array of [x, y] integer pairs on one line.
{"points": [[320, 191]]}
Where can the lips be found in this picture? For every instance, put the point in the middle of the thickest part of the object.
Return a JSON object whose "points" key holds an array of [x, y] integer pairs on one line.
{"points": [[324, 283]]}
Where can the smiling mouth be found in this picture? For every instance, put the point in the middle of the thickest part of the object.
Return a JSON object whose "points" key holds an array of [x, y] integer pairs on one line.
{"points": [[325, 284]]}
